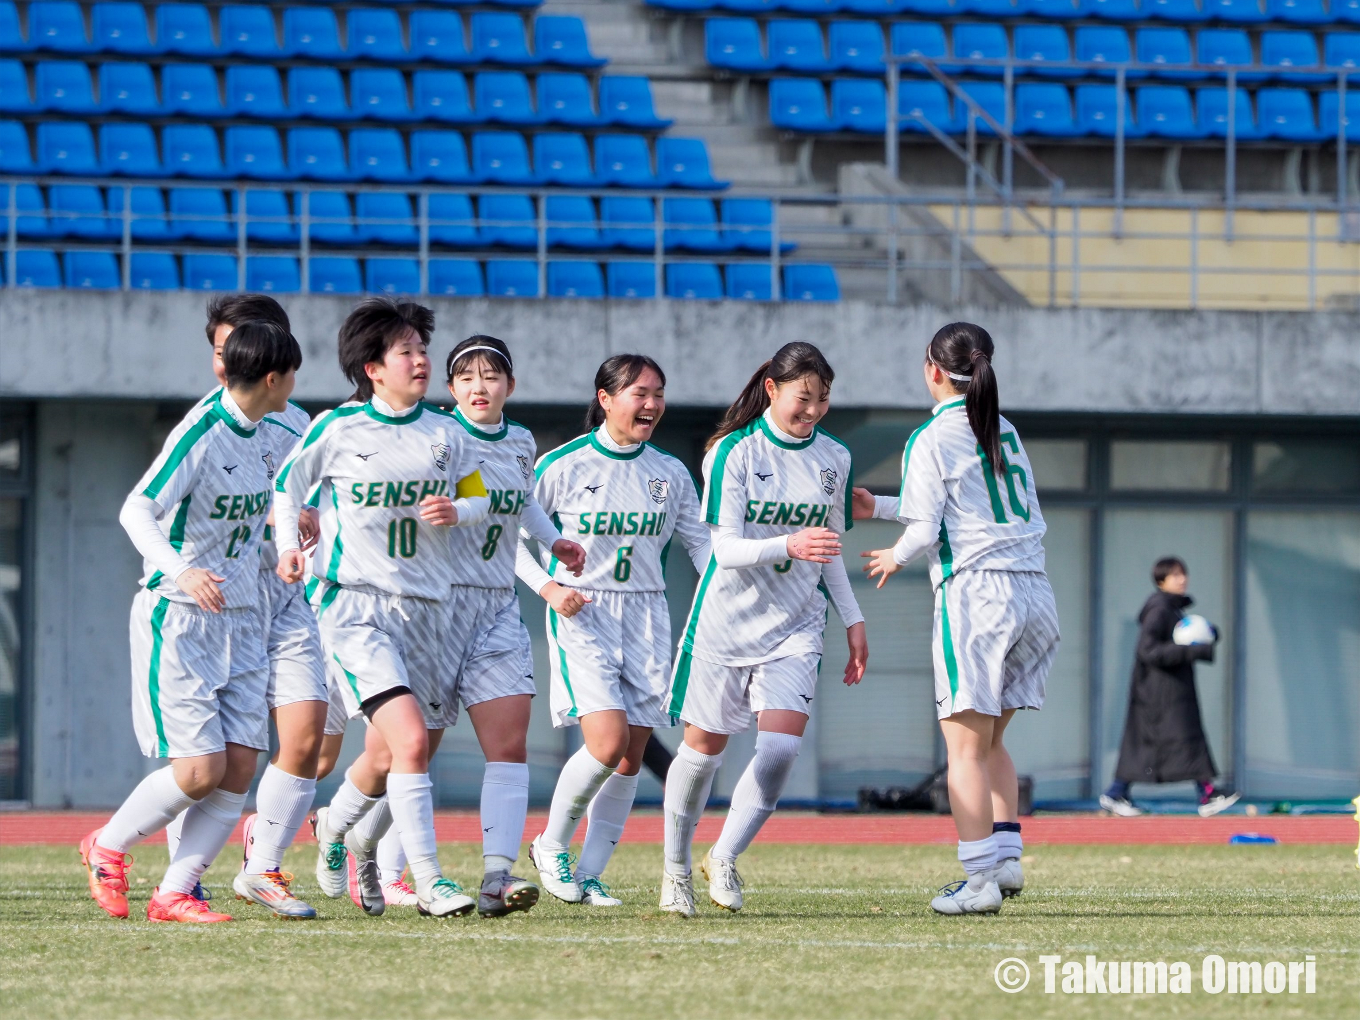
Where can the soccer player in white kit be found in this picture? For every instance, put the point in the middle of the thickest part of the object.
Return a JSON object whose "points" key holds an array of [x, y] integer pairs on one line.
{"points": [[968, 503], [199, 665], [395, 473], [776, 500], [609, 634]]}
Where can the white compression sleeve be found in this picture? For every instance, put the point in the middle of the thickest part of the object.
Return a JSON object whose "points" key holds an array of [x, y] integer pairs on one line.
{"points": [[838, 584], [286, 514], [138, 518], [471, 510], [733, 551], [535, 522], [885, 507], [528, 569], [916, 539]]}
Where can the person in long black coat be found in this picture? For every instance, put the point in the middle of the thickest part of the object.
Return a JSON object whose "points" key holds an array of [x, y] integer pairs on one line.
{"points": [[1164, 739]]}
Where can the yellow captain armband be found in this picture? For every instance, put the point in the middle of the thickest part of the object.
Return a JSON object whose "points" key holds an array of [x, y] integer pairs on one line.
{"points": [[470, 487]]}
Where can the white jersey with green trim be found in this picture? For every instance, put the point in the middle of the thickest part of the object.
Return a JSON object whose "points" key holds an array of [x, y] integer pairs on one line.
{"points": [[987, 520], [373, 470], [212, 486], [766, 487], [622, 507]]}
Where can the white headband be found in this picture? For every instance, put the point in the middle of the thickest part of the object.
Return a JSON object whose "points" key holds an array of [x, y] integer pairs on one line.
{"points": [[956, 377], [493, 350]]}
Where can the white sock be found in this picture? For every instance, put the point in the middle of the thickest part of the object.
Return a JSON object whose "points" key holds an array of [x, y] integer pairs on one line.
{"points": [[282, 801], [370, 829], [151, 806], [411, 802], [1009, 845], [391, 857], [757, 792], [978, 856], [172, 830], [505, 804], [604, 823], [207, 827], [347, 807], [581, 778], [687, 787]]}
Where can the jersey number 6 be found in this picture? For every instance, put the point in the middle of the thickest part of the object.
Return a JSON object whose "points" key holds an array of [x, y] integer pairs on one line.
{"points": [[623, 564]]}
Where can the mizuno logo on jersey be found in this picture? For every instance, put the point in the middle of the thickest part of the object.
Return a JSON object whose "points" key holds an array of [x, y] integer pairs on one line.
{"points": [[507, 501], [797, 514], [606, 522], [364, 456], [592, 489], [388, 494], [659, 488], [235, 508], [829, 481], [765, 476], [229, 470]]}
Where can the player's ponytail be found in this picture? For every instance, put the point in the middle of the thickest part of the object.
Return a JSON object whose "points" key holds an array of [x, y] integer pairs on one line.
{"points": [[963, 352], [790, 362], [614, 376]]}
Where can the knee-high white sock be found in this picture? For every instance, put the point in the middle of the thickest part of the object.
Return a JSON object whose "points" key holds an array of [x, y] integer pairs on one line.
{"points": [[347, 806], [581, 778], [391, 857], [757, 792], [687, 787], [152, 805], [605, 818], [207, 827], [505, 804], [282, 801], [978, 855], [172, 830], [370, 829], [1009, 845], [411, 801]]}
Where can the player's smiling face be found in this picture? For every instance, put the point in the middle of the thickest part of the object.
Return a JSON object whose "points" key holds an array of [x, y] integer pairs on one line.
{"points": [[799, 404], [481, 389], [632, 414], [219, 341], [402, 378]]}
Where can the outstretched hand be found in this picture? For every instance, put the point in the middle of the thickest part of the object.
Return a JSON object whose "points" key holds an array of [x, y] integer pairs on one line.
{"points": [[862, 503], [881, 564]]}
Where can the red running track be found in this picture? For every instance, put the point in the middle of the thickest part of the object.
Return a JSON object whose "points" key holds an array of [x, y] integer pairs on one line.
{"points": [[58, 827]]}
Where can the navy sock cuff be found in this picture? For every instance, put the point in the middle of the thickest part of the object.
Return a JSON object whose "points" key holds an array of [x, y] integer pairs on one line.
{"points": [[1005, 826]]}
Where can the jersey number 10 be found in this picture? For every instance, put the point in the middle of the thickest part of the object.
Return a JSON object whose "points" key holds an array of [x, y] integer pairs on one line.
{"points": [[401, 538]]}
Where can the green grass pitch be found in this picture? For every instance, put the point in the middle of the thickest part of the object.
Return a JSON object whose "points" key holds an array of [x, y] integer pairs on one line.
{"points": [[829, 932]]}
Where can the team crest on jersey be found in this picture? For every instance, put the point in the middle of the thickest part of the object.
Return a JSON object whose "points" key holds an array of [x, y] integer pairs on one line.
{"points": [[659, 488], [525, 467], [829, 481], [441, 456], [268, 458]]}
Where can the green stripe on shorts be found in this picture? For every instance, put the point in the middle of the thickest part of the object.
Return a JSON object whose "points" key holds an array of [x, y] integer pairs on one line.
{"points": [[562, 658], [951, 665], [679, 685], [154, 679], [353, 680]]}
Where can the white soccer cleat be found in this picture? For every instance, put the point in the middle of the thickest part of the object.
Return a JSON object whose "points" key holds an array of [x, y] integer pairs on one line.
{"points": [[270, 890], [503, 893], [1218, 802], [595, 893], [1010, 877], [363, 878], [724, 882], [330, 857], [446, 899], [677, 894], [978, 894], [398, 894], [554, 869], [1121, 806]]}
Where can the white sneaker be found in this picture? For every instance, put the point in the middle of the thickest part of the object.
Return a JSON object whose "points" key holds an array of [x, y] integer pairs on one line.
{"points": [[1121, 806], [978, 894], [330, 857], [677, 894], [398, 894], [270, 890], [595, 893], [503, 893], [363, 878], [1010, 877], [724, 882], [1218, 802], [447, 899], [554, 868]]}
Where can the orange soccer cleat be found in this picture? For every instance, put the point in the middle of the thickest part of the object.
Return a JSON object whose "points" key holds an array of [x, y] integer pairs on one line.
{"points": [[174, 906], [107, 873]]}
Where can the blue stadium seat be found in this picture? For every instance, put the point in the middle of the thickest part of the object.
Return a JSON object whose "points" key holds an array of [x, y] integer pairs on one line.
{"points": [[442, 95], [694, 281], [930, 8], [1103, 44], [91, 270], [1346, 11], [746, 225], [797, 45], [567, 99], [331, 220], [375, 35], [923, 100], [511, 278], [623, 159], [1246, 12], [77, 210], [210, 272], [1289, 50], [992, 9], [392, 276], [64, 86], [692, 225], [129, 150], [1044, 109], [379, 93], [200, 214], [439, 156], [859, 105], [1186, 11], [562, 39], [154, 270], [918, 38], [750, 6], [749, 281], [576, 222], [631, 279], [268, 217], [185, 29], [317, 92], [120, 27], [1045, 43], [36, 269], [14, 96], [1167, 48], [562, 158], [27, 199], [147, 211], [456, 278], [503, 97], [508, 221], [980, 42], [247, 30], [254, 90], [1226, 47], [628, 223], [683, 163], [1339, 49], [190, 89], [1164, 112], [317, 154], [856, 46], [311, 32], [123, 88], [11, 38], [501, 157], [15, 155], [1110, 10], [1288, 114], [1098, 113], [438, 36], [1328, 108], [1049, 9], [499, 39], [330, 274], [452, 221], [66, 148], [811, 282], [990, 96], [1299, 12], [1211, 114], [684, 5], [734, 43], [575, 280], [57, 25], [273, 274], [256, 153], [799, 104], [812, 7], [377, 154]]}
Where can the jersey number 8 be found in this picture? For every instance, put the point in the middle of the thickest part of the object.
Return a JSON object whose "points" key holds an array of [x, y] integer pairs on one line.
{"points": [[493, 539], [401, 538]]}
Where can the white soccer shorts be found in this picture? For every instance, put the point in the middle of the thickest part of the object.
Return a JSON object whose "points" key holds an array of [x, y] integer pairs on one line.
{"points": [[614, 654], [721, 699], [996, 633], [198, 678], [337, 714], [296, 670], [489, 655]]}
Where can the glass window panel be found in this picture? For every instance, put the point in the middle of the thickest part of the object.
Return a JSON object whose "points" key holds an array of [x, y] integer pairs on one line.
{"points": [[11, 522], [1177, 466], [1303, 654], [1306, 465], [1059, 464], [876, 440]]}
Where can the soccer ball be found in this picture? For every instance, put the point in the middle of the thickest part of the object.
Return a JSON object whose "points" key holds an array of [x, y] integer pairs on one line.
{"points": [[1193, 630]]}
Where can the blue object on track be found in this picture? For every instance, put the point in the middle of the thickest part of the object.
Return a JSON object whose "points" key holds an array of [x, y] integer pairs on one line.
{"points": [[1246, 838]]}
